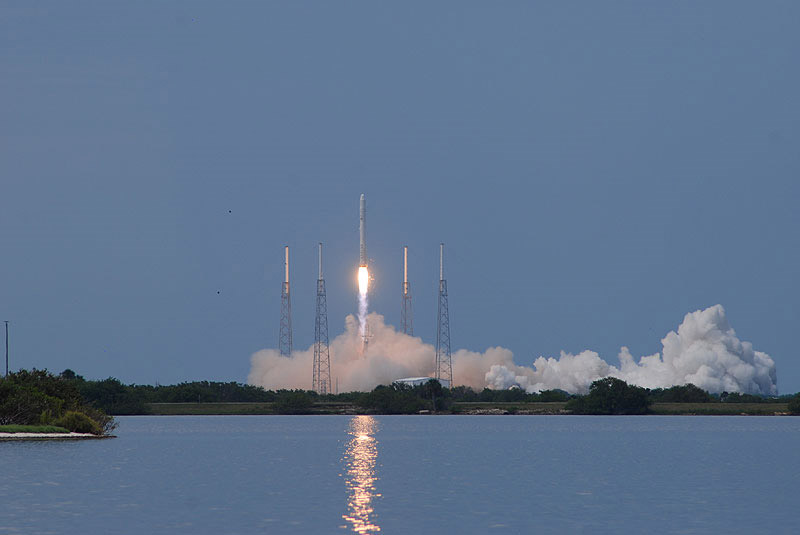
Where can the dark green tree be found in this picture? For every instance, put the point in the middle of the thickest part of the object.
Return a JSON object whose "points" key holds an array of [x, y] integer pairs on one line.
{"points": [[794, 404], [293, 402], [687, 393], [611, 396]]}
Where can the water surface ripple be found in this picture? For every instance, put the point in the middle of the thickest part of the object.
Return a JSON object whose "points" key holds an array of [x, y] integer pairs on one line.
{"points": [[409, 474]]}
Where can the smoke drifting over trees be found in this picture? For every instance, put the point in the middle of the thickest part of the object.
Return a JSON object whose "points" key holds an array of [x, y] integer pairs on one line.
{"points": [[704, 351]]}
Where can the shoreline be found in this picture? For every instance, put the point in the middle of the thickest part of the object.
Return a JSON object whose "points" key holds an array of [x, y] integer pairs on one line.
{"points": [[51, 436], [462, 408]]}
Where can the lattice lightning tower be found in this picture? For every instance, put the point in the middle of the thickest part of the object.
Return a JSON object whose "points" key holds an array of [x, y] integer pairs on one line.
{"points": [[285, 336], [406, 314], [321, 381], [444, 361]]}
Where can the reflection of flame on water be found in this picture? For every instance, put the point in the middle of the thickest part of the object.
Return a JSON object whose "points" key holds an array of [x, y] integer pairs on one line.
{"points": [[362, 451]]}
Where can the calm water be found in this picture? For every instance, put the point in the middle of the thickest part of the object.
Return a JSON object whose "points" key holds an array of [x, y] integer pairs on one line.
{"points": [[410, 474]]}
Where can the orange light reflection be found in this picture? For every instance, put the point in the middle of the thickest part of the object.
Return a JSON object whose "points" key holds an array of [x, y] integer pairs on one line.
{"points": [[360, 456]]}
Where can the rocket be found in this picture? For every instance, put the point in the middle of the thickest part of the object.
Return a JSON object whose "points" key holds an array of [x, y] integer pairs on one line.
{"points": [[362, 227]]}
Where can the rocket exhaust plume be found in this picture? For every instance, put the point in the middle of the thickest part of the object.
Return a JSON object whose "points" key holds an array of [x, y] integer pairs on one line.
{"points": [[704, 350], [363, 272]]}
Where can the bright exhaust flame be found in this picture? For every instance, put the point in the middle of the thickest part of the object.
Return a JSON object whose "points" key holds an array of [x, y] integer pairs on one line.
{"points": [[363, 280], [363, 287]]}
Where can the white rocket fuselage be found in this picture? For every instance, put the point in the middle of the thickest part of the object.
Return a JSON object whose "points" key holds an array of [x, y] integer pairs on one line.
{"points": [[362, 227]]}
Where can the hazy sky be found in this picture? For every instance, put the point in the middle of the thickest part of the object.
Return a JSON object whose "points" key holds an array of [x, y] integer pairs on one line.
{"points": [[595, 169]]}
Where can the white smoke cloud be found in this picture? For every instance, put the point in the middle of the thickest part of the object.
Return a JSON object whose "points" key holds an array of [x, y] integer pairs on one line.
{"points": [[705, 351], [390, 355]]}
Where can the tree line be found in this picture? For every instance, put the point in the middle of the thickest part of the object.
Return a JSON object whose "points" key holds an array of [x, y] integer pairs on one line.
{"points": [[111, 396]]}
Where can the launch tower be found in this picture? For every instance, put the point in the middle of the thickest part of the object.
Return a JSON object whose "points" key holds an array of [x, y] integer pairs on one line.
{"points": [[321, 381], [285, 335], [444, 363]]}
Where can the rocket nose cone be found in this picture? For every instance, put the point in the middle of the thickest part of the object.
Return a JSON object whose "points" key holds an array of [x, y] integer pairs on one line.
{"points": [[362, 196]]}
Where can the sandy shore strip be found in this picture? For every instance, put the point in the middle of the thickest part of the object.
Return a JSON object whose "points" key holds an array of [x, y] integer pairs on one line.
{"points": [[50, 436]]}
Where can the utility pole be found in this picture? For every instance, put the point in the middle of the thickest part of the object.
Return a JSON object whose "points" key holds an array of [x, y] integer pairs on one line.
{"points": [[6, 348], [444, 362]]}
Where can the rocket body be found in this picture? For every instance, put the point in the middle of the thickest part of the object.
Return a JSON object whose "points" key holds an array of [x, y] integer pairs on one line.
{"points": [[363, 276], [362, 227]]}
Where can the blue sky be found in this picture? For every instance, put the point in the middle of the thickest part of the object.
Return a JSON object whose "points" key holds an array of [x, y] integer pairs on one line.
{"points": [[596, 170]]}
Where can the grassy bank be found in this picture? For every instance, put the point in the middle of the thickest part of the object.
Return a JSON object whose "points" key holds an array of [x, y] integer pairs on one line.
{"points": [[32, 429], [721, 409], [210, 409], [511, 407]]}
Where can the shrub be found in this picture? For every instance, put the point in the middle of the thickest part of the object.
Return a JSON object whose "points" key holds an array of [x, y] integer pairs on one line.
{"points": [[394, 399], [687, 393], [293, 402], [738, 397], [107, 423], [38, 397], [794, 404], [24, 404], [553, 395], [78, 422]]}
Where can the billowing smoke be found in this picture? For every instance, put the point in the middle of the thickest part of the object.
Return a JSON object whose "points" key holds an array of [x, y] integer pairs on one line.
{"points": [[390, 355], [705, 351]]}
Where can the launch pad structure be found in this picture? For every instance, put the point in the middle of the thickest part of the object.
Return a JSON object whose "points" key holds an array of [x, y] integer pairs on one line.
{"points": [[444, 360], [285, 334], [321, 373], [321, 381]]}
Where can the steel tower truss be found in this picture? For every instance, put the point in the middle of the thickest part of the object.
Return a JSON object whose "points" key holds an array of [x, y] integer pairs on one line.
{"points": [[321, 382], [444, 361], [285, 335]]}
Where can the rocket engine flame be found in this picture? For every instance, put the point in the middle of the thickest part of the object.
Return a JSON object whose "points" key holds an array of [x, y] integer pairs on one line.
{"points": [[363, 301], [363, 280]]}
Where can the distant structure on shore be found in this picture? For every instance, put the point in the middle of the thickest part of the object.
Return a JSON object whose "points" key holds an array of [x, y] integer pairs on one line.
{"points": [[418, 381]]}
